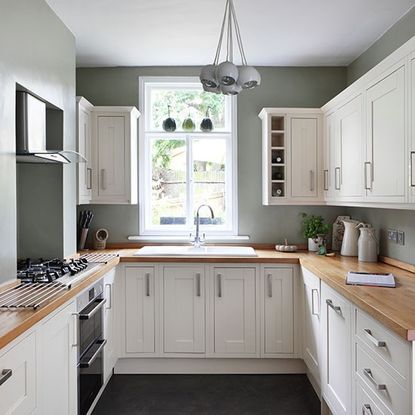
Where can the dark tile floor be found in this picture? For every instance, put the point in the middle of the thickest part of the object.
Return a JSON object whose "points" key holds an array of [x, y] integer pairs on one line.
{"points": [[208, 395]]}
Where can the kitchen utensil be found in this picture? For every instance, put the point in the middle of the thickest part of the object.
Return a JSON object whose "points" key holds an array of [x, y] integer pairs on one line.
{"points": [[350, 238], [367, 245]]}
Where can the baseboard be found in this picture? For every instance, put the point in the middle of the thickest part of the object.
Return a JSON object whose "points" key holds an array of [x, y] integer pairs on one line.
{"points": [[314, 383], [209, 366]]}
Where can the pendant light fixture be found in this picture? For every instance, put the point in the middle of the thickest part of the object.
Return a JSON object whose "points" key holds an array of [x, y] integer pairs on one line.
{"points": [[226, 77]]}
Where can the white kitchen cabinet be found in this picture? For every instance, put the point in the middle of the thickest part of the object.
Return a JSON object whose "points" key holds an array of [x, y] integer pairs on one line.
{"points": [[348, 150], [84, 147], [292, 156], [58, 362], [114, 141], [18, 376], [336, 362], [140, 303], [386, 161], [234, 309], [311, 325], [110, 330], [328, 143], [184, 309], [411, 152], [278, 283]]}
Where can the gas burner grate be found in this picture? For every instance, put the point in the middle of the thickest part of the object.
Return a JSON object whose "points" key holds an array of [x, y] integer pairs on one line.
{"points": [[30, 296]]}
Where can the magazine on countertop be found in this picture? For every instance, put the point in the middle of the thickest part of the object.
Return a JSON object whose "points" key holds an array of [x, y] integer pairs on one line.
{"points": [[371, 279]]}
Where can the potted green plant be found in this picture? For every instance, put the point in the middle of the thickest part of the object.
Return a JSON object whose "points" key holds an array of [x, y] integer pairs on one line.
{"points": [[314, 230]]}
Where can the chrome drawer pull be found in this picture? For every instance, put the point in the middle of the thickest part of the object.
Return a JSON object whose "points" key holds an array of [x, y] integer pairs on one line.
{"points": [[337, 182], [198, 293], [336, 308], [374, 340], [313, 306], [147, 284], [326, 181], [5, 374], [219, 285], [369, 375], [366, 409], [269, 285]]}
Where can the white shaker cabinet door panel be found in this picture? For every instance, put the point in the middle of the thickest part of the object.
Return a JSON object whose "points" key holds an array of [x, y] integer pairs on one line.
{"points": [[235, 311], [304, 156], [111, 156], [336, 317], [184, 309], [18, 378], [279, 310], [412, 132], [139, 310], [386, 143]]}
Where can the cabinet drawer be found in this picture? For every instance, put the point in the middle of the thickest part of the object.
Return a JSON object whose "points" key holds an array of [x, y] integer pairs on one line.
{"points": [[18, 392], [394, 352], [381, 383], [367, 404]]}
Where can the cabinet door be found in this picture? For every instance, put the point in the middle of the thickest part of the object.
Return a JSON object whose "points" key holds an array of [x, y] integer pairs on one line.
{"points": [[235, 311], [328, 169], [111, 157], [412, 140], [58, 363], [386, 149], [311, 334], [349, 150], [110, 354], [18, 378], [304, 156], [336, 316], [184, 310], [139, 309], [279, 310], [84, 148]]}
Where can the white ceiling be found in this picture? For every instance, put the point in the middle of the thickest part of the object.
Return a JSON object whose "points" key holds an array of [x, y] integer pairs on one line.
{"points": [[185, 32]]}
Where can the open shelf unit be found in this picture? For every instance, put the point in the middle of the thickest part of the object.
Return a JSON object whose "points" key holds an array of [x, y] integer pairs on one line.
{"points": [[277, 156]]}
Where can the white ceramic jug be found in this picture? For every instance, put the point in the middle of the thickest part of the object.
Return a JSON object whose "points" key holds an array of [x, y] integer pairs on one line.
{"points": [[367, 245], [350, 238]]}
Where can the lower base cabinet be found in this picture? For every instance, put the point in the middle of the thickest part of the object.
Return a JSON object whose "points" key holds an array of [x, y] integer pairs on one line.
{"points": [[110, 354], [336, 326], [18, 377], [58, 363]]}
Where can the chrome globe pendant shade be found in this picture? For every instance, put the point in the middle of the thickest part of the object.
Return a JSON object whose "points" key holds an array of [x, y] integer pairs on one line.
{"points": [[226, 77]]}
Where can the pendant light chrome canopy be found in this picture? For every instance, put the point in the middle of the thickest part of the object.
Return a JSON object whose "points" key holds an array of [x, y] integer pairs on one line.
{"points": [[226, 77]]}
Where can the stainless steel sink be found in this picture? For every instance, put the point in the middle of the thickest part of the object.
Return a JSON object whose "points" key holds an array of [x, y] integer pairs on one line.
{"points": [[177, 250]]}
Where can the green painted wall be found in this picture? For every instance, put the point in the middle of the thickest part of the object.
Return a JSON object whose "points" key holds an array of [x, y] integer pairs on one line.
{"points": [[38, 52], [281, 87], [396, 36]]}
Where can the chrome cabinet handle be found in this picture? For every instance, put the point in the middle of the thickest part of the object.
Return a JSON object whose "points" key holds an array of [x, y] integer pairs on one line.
{"points": [[198, 289], [219, 277], [99, 305], [147, 284], [373, 339], [89, 362], [89, 178], [412, 169], [5, 374], [366, 409], [313, 312], [336, 308], [368, 186], [379, 386], [269, 281], [311, 181], [103, 179], [337, 178], [75, 317], [109, 296], [326, 181]]}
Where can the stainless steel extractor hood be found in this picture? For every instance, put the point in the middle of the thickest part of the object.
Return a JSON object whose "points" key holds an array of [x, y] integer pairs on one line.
{"points": [[31, 134]]}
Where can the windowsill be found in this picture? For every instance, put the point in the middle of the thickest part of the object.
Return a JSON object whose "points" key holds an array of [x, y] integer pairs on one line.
{"points": [[181, 239]]}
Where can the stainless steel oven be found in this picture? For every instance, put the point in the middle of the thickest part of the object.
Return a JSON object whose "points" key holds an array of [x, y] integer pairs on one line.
{"points": [[91, 345]]}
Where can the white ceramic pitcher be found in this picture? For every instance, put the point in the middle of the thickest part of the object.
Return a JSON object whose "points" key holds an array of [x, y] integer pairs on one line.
{"points": [[350, 238], [368, 245]]}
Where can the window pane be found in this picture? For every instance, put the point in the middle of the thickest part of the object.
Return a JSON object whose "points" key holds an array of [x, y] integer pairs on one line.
{"points": [[209, 156], [185, 102], [168, 204]]}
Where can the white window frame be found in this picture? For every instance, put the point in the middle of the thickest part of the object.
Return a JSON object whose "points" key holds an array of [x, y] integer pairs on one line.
{"points": [[145, 228]]}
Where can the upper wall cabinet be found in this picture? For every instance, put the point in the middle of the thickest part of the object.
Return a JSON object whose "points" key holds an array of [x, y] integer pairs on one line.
{"points": [[292, 156], [107, 137]]}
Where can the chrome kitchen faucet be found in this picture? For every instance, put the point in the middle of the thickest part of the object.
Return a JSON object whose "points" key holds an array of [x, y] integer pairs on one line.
{"points": [[197, 241]]}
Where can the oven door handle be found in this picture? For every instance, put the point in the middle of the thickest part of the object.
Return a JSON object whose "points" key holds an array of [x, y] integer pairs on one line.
{"points": [[89, 362], [87, 316]]}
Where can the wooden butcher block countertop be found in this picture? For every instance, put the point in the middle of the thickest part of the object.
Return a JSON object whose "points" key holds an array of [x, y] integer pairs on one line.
{"points": [[394, 307]]}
